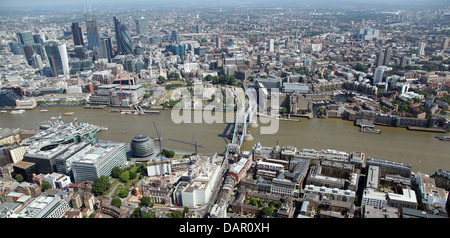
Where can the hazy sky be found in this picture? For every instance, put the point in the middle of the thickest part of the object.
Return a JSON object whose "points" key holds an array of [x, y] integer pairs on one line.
{"points": [[99, 3]]}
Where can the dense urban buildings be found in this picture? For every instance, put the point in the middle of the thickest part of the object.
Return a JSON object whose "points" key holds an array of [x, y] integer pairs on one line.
{"points": [[383, 68]]}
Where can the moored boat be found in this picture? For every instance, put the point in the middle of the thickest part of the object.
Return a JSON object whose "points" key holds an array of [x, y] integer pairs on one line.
{"points": [[17, 112]]}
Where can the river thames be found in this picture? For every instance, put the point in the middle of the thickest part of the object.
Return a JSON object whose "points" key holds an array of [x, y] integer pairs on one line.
{"points": [[420, 149]]}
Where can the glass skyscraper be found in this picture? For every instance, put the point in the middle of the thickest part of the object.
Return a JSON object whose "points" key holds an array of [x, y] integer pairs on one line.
{"points": [[57, 56], [77, 34], [123, 38], [26, 38], [92, 31], [140, 26]]}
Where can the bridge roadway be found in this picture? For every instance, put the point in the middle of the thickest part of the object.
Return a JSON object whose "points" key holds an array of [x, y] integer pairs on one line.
{"points": [[244, 115]]}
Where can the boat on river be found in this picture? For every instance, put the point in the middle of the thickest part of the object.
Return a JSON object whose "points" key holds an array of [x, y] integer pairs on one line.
{"points": [[370, 130], [444, 138], [17, 112]]}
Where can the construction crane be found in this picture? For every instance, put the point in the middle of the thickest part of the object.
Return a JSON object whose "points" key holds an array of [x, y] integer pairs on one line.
{"points": [[160, 148], [190, 153], [192, 144]]}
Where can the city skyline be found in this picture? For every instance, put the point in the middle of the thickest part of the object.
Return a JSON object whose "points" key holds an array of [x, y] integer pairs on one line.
{"points": [[241, 109], [206, 3]]}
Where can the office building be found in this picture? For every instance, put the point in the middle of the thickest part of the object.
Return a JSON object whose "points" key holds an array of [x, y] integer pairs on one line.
{"points": [[141, 27], [105, 51], [432, 197], [367, 34], [92, 31], [142, 146], [445, 45], [175, 37], [26, 38], [8, 98], [379, 72], [16, 48], [77, 34], [38, 39], [58, 181], [218, 42], [57, 56], [63, 162], [379, 59], [239, 170], [295, 87], [390, 167], [44, 206], [205, 173], [26, 169], [99, 161], [47, 145], [421, 49], [271, 45], [123, 38], [387, 55], [159, 166], [442, 179]]}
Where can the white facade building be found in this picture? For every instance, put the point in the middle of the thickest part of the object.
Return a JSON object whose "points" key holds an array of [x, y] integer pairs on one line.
{"points": [[205, 175]]}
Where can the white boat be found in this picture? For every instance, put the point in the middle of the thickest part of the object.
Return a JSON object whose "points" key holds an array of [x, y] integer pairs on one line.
{"points": [[17, 111], [44, 110], [3, 111]]}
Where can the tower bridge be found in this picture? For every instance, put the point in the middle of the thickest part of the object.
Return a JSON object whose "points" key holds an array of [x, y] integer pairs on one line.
{"points": [[245, 114]]}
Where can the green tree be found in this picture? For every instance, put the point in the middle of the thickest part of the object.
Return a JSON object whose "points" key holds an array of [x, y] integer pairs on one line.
{"points": [[116, 202], [175, 214], [161, 80], [123, 193], [146, 201], [45, 185], [19, 177], [133, 174], [267, 211], [168, 153], [361, 67], [116, 171], [136, 213], [283, 110], [125, 176], [100, 185], [185, 211]]}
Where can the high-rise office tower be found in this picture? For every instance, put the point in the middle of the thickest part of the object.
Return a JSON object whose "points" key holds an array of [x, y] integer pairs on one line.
{"points": [[92, 31], [39, 49], [175, 37], [271, 45], [218, 42], [26, 37], [379, 72], [421, 50], [37, 62], [38, 39], [28, 53], [123, 38], [16, 48], [140, 26], [77, 34], [378, 75], [403, 61], [379, 59], [105, 51], [387, 55], [79, 51], [57, 56], [446, 43]]}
